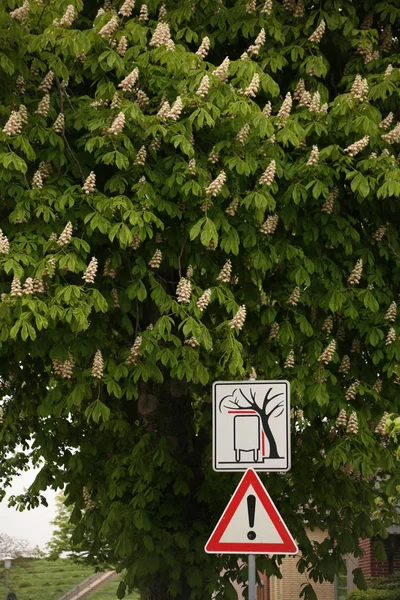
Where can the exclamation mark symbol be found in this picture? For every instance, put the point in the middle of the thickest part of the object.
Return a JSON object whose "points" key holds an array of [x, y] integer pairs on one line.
{"points": [[251, 511]]}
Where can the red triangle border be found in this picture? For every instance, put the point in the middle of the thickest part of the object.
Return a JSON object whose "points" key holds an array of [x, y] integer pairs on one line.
{"points": [[215, 546]]}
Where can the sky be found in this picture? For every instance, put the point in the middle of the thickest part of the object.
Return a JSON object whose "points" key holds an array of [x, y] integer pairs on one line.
{"points": [[32, 525]]}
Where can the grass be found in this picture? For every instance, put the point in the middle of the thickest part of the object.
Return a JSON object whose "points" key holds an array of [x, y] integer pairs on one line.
{"points": [[109, 591], [41, 579]]}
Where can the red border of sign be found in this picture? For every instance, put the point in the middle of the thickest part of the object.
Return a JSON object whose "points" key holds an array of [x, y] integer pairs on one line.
{"points": [[214, 544]]}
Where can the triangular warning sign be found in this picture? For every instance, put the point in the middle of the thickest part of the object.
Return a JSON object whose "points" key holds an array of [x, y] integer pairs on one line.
{"points": [[251, 523]]}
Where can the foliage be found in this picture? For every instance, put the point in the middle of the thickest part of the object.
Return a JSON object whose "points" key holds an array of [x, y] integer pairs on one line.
{"points": [[31, 579], [61, 543], [373, 595], [314, 253], [16, 547], [380, 588]]}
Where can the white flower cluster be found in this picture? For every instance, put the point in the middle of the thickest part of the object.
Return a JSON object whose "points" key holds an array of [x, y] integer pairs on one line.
{"points": [[213, 156], [216, 186], [16, 289], [258, 44], [379, 233], [4, 243], [118, 124], [47, 83], [253, 87], [127, 8], [391, 312], [341, 420], [90, 183], [98, 365], [59, 123], [393, 136], [267, 110], [352, 425], [14, 124], [314, 157], [134, 351], [232, 208], [359, 89], [358, 146], [204, 87], [270, 224], [176, 109], [108, 30], [274, 331], [66, 235], [289, 362], [128, 83], [183, 291], [388, 71], [37, 181], [345, 364], [192, 167], [329, 203], [355, 275], [386, 122], [222, 72], [294, 297], [204, 300], [316, 36], [68, 17], [64, 368], [22, 13], [144, 13], [391, 336], [141, 156], [381, 427], [91, 270], [299, 12], [109, 271], [327, 355], [269, 174], [225, 273], [20, 83], [368, 53], [204, 47], [162, 37], [156, 259], [267, 8], [286, 108], [44, 106], [352, 390], [239, 318], [243, 134], [122, 46]]}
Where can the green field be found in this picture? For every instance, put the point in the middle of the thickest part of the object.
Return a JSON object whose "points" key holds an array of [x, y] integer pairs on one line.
{"points": [[41, 579]]}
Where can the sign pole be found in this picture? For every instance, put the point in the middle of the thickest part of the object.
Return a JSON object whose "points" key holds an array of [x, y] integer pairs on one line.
{"points": [[251, 563]]}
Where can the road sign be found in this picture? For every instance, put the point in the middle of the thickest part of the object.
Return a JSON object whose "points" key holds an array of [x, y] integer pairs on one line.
{"points": [[251, 523], [251, 425]]}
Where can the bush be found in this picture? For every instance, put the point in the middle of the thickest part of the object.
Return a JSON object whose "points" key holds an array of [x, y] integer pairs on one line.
{"points": [[374, 594]]}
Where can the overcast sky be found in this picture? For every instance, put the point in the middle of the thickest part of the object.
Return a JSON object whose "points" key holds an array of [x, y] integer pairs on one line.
{"points": [[32, 525]]}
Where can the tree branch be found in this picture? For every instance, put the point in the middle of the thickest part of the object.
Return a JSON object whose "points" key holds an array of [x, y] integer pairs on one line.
{"points": [[180, 254], [252, 404], [72, 153], [280, 405]]}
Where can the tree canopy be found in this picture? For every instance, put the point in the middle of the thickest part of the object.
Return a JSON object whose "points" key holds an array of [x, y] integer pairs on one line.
{"points": [[195, 191]]}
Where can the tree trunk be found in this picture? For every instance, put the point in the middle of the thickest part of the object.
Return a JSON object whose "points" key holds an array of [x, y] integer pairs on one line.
{"points": [[273, 450]]}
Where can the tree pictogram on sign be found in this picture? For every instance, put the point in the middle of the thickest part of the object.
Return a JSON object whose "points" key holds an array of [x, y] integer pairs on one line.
{"points": [[251, 524], [251, 425]]}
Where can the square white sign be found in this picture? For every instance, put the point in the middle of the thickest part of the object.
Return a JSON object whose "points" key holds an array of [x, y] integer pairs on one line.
{"points": [[251, 425]]}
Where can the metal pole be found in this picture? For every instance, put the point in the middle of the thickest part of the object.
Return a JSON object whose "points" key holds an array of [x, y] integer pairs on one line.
{"points": [[6, 583], [252, 577]]}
